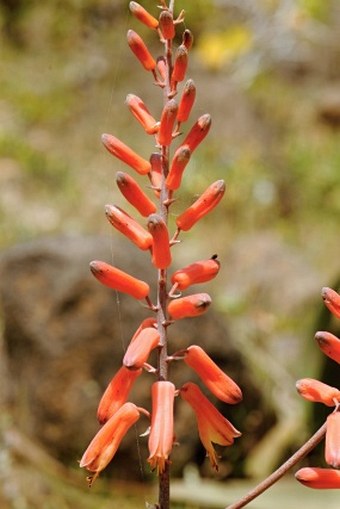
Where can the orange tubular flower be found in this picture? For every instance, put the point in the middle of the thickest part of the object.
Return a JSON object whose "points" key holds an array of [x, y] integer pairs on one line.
{"points": [[166, 25], [189, 306], [142, 114], [168, 119], [332, 300], [139, 48], [187, 101], [318, 392], [134, 194], [202, 206], [143, 15], [212, 426], [329, 344], [180, 65], [220, 384], [162, 67], [116, 393], [147, 322], [162, 425], [178, 165], [161, 254], [332, 444], [319, 478], [128, 226], [106, 442], [140, 347], [126, 154], [198, 272], [118, 280], [198, 132], [156, 171]]}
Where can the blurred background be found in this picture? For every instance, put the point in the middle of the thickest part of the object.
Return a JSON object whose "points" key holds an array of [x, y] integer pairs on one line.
{"points": [[268, 72]]}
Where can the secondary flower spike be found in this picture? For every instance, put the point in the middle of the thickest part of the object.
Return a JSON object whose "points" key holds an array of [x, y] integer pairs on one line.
{"points": [[202, 206], [218, 382], [212, 426], [332, 300], [134, 194], [195, 273], [128, 226], [162, 424], [189, 306], [126, 154], [143, 15], [332, 442], [319, 478], [140, 348], [106, 442], [139, 48], [161, 254], [116, 393], [318, 392], [142, 114], [329, 344], [118, 280]]}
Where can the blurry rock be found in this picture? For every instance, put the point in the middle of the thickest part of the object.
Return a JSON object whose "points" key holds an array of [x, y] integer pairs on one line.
{"points": [[65, 335]]}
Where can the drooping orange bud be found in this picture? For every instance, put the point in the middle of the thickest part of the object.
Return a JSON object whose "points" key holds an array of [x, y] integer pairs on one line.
{"points": [[195, 273], [332, 300], [128, 226], [134, 194], [143, 15], [180, 65], [189, 306], [319, 478], [178, 165], [187, 39], [139, 48], [104, 445], [126, 154], [140, 348], [166, 24], [168, 119], [162, 425], [187, 101], [116, 393], [142, 114], [332, 442], [118, 280], [198, 132], [329, 344], [318, 392], [212, 426], [147, 322], [218, 382], [161, 254], [204, 204]]}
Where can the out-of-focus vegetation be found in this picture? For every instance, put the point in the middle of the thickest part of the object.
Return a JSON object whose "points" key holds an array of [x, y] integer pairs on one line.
{"points": [[269, 73]]}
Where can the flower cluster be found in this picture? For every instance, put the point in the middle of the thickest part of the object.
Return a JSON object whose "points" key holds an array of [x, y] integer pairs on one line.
{"points": [[319, 392], [165, 172]]}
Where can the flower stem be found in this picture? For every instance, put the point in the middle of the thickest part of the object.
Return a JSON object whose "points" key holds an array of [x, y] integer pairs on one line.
{"points": [[282, 470]]}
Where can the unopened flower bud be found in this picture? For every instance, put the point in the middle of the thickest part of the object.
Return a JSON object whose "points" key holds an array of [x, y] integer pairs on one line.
{"points": [[139, 349], [126, 154], [161, 254], [142, 114], [186, 102], [139, 48], [180, 65], [134, 194], [166, 24], [128, 226], [332, 300], [156, 172], [189, 306], [332, 441], [329, 344], [167, 122], [178, 165], [195, 273], [198, 132], [318, 392], [187, 39], [319, 478], [162, 67], [143, 15]]}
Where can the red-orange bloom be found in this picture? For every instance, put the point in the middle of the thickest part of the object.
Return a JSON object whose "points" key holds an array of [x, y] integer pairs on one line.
{"points": [[168, 118], [134, 194], [162, 67], [128, 226], [116, 393], [318, 392], [189, 306], [178, 165], [319, 478], [166, 24], [139, 48], [118, 280], [198, 132], [126, 154], [212, 426], [202, 206], [143, 15], [187, 101], [140, 347], [332, 443], [147, 322], [156, 172], [329, 344], [218, 382], [161, 254], [180, 65], [162, 425], [195, 273], [332, 300], [106, 442], [142, 114]]}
